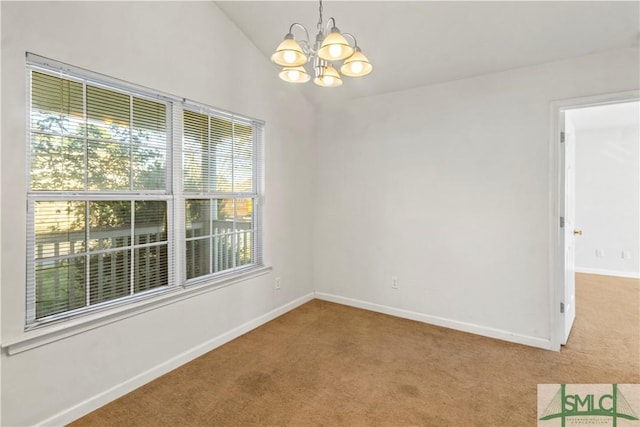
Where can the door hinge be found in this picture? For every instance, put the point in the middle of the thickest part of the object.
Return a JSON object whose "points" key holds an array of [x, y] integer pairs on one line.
{"points": [[561, 136], [561, 222], [561, 307]]}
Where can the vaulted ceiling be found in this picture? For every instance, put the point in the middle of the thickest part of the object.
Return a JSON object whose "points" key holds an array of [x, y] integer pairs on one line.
{"points": [[416, 43]]}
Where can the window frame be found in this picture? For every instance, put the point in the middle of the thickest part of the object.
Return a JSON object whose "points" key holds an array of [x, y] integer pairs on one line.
{"points": [[173, 194], [255, 195]]}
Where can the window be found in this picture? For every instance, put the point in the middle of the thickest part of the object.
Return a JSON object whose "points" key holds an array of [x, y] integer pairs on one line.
{"points": [[98, 195], [221, 194], [102, 193]]}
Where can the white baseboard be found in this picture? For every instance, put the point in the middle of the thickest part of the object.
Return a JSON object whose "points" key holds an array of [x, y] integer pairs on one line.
{"points": [[603, 272], [93, 403], [440, 321]]}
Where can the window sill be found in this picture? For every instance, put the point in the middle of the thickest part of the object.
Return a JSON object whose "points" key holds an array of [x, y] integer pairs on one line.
{"points": [[73, 326]]}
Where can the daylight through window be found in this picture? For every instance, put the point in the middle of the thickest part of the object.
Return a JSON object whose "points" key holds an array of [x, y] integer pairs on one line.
{"points": [[101, 201], [221, 193]]}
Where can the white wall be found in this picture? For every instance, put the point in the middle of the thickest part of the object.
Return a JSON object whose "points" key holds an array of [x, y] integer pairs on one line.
{"points": [[447, 188], [444, 186], [607, 200], [189, 49]]}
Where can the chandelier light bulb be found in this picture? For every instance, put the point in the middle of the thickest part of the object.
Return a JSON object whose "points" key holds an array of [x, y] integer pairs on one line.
{"points": [[294, 75], [335, 51], [356, 67], [289, 56]]}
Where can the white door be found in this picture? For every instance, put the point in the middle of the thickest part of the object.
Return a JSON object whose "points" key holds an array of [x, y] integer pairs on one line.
{"points": [[569, 300]]}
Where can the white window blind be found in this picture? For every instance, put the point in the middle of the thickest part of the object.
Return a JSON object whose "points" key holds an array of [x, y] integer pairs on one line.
{"points": [[221, 171], [99, 201], [132, 193]]}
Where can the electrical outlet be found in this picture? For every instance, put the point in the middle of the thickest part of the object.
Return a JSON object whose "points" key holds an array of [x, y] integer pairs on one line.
{"points": [[626, 254], [600, 253], [278, 283], [394, 282]]}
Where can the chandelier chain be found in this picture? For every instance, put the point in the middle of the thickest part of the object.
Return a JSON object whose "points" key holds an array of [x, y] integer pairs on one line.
{"points": [[320, 20]]}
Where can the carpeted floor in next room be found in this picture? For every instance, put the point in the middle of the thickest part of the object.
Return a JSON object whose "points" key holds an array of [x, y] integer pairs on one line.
{"points": [[328, 364]]}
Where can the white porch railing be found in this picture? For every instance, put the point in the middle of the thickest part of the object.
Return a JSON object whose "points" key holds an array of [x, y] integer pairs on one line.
{"points": [[62, 274], [223, 248]]}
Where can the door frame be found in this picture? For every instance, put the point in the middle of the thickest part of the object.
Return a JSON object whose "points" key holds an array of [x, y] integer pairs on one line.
{"points": [[556, 200]]}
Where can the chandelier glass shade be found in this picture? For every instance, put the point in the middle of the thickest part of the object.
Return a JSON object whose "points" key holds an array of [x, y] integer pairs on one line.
{"points": [[335, 47], [328, 77], [294, 74], [356, 65], [329, 48], [289, 53]]}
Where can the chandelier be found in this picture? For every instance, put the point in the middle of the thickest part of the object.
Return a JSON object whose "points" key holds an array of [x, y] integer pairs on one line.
{"points": [[326, 51]]}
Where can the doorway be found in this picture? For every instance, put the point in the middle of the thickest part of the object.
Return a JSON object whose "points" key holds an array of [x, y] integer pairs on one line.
{"points": [[563, 231]]}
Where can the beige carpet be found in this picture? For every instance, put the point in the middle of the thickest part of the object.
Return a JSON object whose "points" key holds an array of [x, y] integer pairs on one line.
{"points": [[327, 364]]}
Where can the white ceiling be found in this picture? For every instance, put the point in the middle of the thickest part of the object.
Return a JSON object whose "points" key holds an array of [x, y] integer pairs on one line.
{"points": [[606, 116], [417, 43]]}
